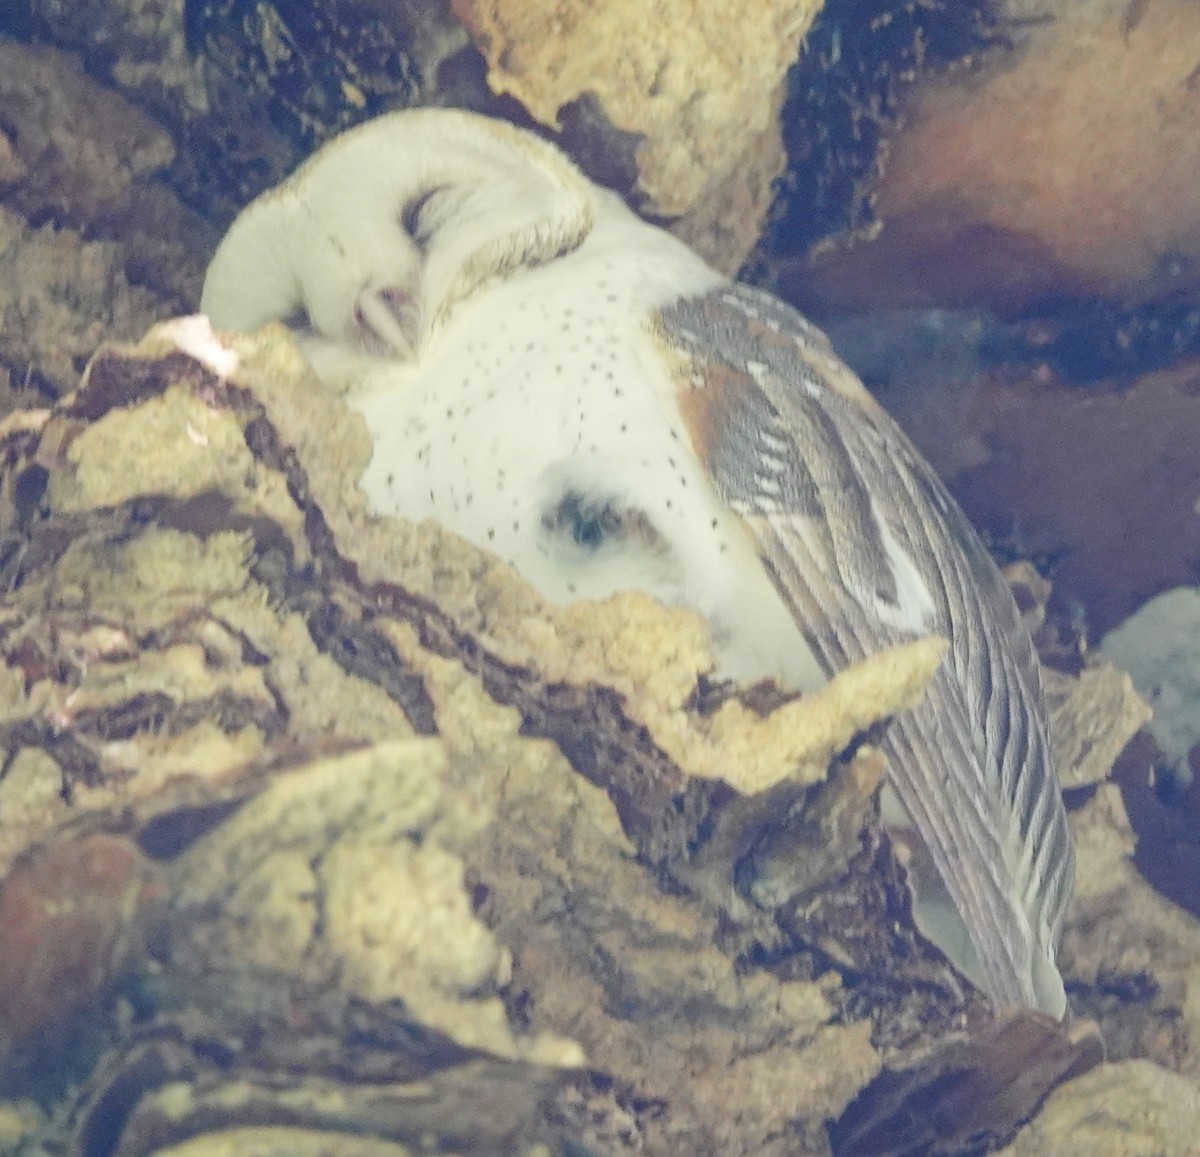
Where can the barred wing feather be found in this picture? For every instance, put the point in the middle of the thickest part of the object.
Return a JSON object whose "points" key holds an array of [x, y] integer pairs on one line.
{"points": [[868, 549]]}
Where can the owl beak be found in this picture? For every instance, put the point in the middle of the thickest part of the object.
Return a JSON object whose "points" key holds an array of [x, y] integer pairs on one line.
{"points": [[387, 321]]}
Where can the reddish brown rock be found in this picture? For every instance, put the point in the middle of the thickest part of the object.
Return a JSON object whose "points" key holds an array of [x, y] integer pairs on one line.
{"points": [[71, 919], [1100, 486], [1066, 166]]}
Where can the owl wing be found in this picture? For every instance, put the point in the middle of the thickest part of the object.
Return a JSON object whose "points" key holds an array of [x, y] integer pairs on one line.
{"points": [[868, 548]]}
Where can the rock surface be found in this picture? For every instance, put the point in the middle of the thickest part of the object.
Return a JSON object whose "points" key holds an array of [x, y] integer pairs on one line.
{"points": [[215, 656], [699, 94], [1124, 1110], [1061, 165]]}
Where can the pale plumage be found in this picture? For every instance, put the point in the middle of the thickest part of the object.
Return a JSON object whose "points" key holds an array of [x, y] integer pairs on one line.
{"points": [[574, 389]]}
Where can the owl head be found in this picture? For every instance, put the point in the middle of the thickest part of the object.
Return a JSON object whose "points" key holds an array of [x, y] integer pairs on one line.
{"points": [[376, 237]]}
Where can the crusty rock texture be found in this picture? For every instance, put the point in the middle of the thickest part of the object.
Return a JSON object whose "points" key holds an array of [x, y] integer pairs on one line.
{"points": [[93, 245], [699, 93], [1125, 1110], [350, 780], [231, 687]]}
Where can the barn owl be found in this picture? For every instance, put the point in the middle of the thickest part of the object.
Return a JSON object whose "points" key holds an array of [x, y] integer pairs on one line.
{"points": [[575, 390]]}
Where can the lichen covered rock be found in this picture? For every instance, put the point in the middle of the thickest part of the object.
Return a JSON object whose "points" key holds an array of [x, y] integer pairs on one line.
{"points": [[392, 821]]}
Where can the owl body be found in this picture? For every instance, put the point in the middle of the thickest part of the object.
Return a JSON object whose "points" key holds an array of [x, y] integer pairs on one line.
{"points": [[573, 389], [558, 355]]}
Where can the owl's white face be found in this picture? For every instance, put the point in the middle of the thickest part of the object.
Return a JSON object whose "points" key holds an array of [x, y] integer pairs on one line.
{"points": [[362, 287], [576, 391], [372, 242]]}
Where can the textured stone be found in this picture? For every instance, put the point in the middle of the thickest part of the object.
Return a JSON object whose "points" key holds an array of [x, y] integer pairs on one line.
{"points": [[1064, 166], [1119, 1110], [701, 94]]}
